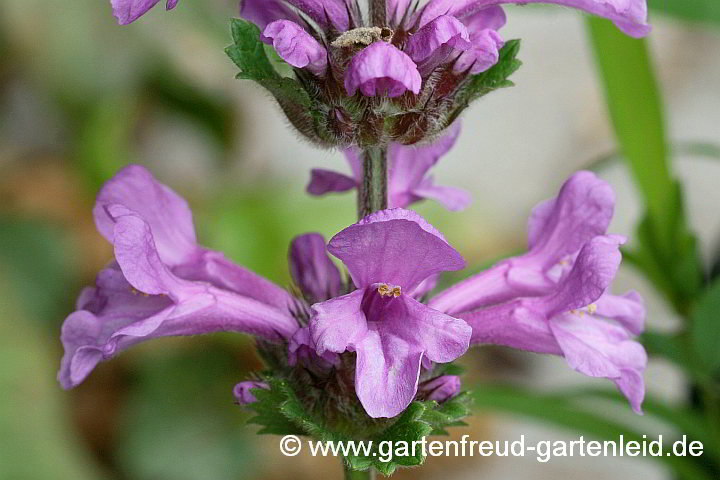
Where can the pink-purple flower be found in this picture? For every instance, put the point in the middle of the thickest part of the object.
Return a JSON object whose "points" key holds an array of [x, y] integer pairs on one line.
{"points": [[557, 298], [389, 254], [408, 179]]}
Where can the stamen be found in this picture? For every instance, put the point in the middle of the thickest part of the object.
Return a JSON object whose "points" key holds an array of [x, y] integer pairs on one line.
{"points": [[592, 308], [386, 290]]}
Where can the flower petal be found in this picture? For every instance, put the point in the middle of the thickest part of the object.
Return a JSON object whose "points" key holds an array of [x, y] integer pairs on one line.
{"points": [[483, 53], [630, 16], [325, 12], [453, 198], [628, 310], [443, 30], [117, 316], [387, 373], [394, 246], [410, 164], [512, 325], [264, 12], [441, 337], [167, 214], [326, 181], [297, 47], [561, 226], [312, 270], [483, 289], [598, 349], [402, 332], [212, 267], [397, 11], [591, 275], [382, 69], [338, 324], [127, 11], [243, 391], [441, 389]]}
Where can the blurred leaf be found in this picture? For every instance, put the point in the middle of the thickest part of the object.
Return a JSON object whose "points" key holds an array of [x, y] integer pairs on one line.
{"points": [[667, 251], [35, 264], [212, 112], [705, 327], [676, 349], [561, 412], [693, 149], [180, 422], [686, 421], [102, 145], [694, 10], [37, 440]]}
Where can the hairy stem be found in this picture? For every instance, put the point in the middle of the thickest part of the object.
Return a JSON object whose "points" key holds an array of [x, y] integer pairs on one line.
{"points": [[373, 194], [358, 475], [378, 13]]}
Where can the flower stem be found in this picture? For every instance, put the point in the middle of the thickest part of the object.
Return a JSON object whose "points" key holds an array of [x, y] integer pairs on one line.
{"points": [[350, 474], [373, 195]]}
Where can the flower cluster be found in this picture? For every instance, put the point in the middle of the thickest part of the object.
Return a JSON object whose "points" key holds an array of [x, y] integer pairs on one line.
{"points": [[374, 328], [359, 345], [400, 71]]}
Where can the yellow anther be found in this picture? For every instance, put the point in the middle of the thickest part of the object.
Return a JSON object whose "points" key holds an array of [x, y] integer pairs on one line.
{"points": [[592, 308], [386, 290]]}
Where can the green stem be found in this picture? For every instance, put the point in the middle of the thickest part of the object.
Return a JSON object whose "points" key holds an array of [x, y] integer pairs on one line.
{"points": [[373, 194], [357, 474]]}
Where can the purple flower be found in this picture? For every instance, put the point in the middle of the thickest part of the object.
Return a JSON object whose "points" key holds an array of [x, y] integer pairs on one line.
{"points": [[243, 391], [312, 270], [630, 16], [162, 283], [388, 254], [556, 298], [570, 321], [127, 11], [408, 169], [440, 389], [382, 70]]}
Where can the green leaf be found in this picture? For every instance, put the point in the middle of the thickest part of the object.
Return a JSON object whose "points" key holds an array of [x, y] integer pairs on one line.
{"points": [[248, 53], [561, 412], [693, 10], [676, 349], [278, 411], [493, 79], [668, 251], [705, 327]]}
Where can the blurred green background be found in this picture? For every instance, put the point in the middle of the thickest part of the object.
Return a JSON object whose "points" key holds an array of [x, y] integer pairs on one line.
{"points": [[80, 97]]}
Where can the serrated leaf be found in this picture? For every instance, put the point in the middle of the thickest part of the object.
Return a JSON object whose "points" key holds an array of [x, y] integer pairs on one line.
{"points": [[268, 412], [248, 52], [494, 78]]}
